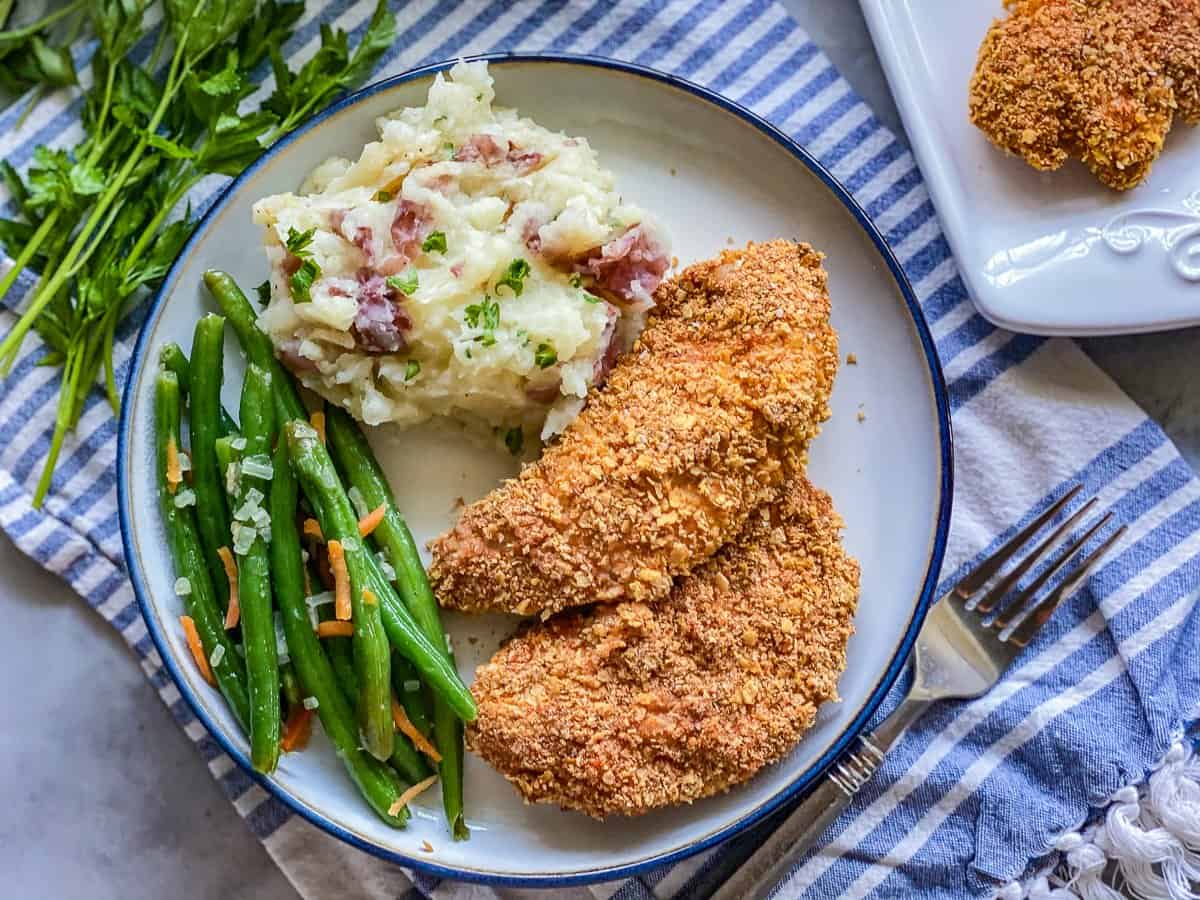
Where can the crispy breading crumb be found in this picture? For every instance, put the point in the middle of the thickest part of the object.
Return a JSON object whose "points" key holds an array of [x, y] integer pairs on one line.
{"points": [[623, 708], [426, 847], [862, 416], [1097, 80], [729, 381], [851, 359]]}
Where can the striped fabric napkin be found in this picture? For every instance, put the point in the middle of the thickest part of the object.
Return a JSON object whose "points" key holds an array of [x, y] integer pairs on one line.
{"points": [[1045, 774]]}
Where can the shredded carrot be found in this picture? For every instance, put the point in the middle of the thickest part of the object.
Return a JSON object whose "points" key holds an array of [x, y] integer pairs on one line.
{"points": [[334, 628], [312, 529], [297, 730], [411, 794], [193, 641], [174, 470], [410, 731], [341, 581], [371, 520], [233, 613], [317, 420], [369, 597]]}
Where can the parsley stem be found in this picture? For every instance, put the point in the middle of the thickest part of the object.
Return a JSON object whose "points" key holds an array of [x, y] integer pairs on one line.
{"points": [[17, 34], [28, 252], [48, 289]]}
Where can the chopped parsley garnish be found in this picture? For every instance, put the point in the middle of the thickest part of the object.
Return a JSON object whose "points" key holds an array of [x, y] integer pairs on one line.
{"points": [[298, 241], [435, 243], [405, 282], [485, 315], [545, 355], [449, 148], [302, 279], [412, 369], [589, 297], [439, 120], [264, 293], [382, 197], [514, 440], [576, 280], [514, 276]]}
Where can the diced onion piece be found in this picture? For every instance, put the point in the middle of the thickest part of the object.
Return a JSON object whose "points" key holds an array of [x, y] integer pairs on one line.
{"points": [[258, 466], [233, 478], [183, 587], [237, 443], [411, 686], [385, 567], [186, 497], [311, 703], [218, 654], [359, 501]]}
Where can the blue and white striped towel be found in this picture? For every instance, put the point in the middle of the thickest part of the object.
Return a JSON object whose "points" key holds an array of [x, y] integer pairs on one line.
{"points": [[979, 796]]}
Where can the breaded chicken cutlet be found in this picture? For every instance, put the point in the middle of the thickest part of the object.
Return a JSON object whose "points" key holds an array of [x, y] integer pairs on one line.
{"points": [[730, 379], [625, 708], [1097, 80]]}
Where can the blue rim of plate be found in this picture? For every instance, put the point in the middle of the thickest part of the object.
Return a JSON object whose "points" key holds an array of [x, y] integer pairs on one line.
{"points": [[803, 781]]}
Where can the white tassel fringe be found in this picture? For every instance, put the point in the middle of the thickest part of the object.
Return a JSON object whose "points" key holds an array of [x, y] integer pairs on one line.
{"points": [[1147, 843]]}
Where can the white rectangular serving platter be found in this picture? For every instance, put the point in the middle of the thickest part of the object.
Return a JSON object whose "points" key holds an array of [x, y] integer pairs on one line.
{"points": [[1053, 253]]}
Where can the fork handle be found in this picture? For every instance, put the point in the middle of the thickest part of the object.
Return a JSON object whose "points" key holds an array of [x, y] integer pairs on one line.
{"points": [[782, 850]]}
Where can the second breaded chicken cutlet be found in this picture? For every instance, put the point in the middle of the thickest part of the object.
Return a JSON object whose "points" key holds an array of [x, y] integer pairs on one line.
{"points": [[1097, 80], [625, 708], [730, 378]]}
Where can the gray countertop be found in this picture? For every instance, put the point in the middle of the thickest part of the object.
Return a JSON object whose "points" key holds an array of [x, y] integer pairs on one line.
{"points": [[103, 796]]}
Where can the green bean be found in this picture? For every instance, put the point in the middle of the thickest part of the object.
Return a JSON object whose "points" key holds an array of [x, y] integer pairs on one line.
{"points": [[173, 357], [254, 584], [372, 662], [376, 782], [321, 483], [358, 465], [212, 512], [184, 540], [257, 346]]}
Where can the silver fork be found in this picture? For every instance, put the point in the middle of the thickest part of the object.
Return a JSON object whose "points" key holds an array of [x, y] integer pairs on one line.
{"points": [[961, 651]]}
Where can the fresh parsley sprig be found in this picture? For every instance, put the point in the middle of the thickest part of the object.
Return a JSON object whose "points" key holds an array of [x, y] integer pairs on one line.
{"points": [[100, 221]]}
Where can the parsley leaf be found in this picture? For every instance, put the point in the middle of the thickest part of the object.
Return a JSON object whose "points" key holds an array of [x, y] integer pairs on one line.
{"points": [[302, 279], [406, 282], [514, 440], [589, 297], [514, 276], [545, 355], [435, 243], [298, 241], [381, 197], [264, 293], [486, 317], [331, 69], [576, 280], [412, 369]]}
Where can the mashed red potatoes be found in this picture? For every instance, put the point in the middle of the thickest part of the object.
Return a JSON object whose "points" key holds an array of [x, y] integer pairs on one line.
{"points": [[470, 264]]}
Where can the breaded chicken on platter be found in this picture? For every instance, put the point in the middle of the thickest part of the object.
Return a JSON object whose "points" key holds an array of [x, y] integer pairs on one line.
{"points": [[624, 708], [729, 380], [1096, 80]]}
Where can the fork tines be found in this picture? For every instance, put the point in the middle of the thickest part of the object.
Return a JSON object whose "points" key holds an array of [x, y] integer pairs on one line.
{"points": [[1023, 610]]}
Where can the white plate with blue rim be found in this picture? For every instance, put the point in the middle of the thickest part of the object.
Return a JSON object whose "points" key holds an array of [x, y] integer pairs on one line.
{"points": [[713, 174]]}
